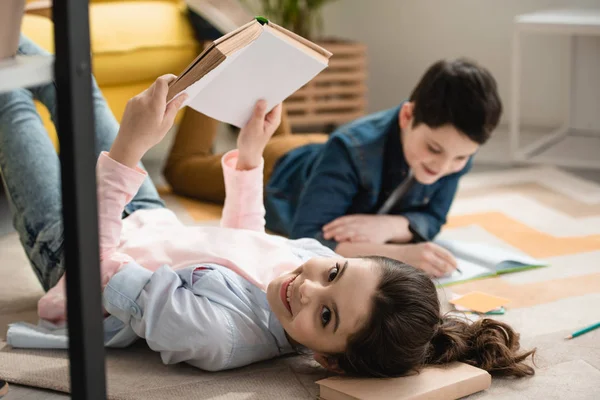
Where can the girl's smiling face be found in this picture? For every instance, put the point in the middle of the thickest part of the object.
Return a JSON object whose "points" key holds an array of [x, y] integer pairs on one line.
{"points": [[324, 301]]}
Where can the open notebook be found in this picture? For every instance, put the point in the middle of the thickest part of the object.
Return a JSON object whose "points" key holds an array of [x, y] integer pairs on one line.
{"points": [[477, 260], [259, 60]]}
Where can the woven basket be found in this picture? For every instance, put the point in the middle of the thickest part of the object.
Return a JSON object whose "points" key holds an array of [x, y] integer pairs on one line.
{"points": [[338, 94]]}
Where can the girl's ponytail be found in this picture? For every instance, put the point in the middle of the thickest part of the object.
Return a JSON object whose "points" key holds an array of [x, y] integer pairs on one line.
{"points": [[488, 344]]}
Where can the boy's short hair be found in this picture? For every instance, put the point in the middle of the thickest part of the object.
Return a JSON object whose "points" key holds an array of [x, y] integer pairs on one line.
{"points": [[460, 93]]}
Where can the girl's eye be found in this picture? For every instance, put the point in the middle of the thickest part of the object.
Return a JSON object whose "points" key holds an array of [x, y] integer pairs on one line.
{"points": [[332, 273], [325, 316], [433, 150]]}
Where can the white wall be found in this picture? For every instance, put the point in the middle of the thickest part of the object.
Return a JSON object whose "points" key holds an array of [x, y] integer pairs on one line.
{"points": [[404, 37]]}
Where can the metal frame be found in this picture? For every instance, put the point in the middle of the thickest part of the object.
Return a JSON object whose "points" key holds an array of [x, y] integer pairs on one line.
{"points": [[554, 137], [533, 152], [72, 71]]}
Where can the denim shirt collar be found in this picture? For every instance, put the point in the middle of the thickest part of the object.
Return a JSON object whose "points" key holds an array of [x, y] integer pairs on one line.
{"points": [[395, 160], [273, 323], [279, 334], [395, 169]]}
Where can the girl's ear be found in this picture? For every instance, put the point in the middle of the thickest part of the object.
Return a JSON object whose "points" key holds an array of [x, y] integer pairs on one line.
{"points": [[329, 363]]}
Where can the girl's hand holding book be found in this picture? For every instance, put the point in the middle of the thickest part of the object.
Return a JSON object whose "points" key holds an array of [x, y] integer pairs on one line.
{"points": [[255, 135], [146, 121]]}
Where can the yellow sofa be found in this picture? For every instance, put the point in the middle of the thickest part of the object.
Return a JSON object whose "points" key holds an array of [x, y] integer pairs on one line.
{"points": [[132, 43]]}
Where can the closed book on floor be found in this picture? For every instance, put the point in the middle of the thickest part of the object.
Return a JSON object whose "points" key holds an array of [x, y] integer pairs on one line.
{"points": [[452, 381], [259, 60]]}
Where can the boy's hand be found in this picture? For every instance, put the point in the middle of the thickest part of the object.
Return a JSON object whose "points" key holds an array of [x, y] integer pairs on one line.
{"points": [[429, 257], [255, 135], [368, 228], [146, 121]]}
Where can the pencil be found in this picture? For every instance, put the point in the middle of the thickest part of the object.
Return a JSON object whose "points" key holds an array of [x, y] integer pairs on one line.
{"points": [[584, 330]]}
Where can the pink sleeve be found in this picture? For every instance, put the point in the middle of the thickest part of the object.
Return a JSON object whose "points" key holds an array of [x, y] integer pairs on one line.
{"points": [[244, 208], [117, 184]]}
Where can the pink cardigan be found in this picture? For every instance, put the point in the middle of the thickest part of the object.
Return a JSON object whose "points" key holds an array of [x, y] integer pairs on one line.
{"points": [[155, 237]]}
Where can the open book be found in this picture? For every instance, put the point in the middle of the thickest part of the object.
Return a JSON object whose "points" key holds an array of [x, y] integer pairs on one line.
{"points": [[260, 60], [452, 381], [477, 260]]}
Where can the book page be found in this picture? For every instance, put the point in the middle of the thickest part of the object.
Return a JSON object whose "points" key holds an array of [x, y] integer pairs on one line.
{"points": [[493, 258], [269, 68], [469, 270], [195, 88]]}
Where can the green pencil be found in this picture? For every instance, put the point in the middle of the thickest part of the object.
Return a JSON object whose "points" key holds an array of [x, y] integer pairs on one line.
{"points": [[584, 330]]}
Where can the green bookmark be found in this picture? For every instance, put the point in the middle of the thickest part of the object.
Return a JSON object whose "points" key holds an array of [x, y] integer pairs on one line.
{"points": [[262, 20]]}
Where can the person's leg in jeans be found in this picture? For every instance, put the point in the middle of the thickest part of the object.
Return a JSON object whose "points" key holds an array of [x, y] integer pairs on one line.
{"points": [[31, 171], [106, 128]]}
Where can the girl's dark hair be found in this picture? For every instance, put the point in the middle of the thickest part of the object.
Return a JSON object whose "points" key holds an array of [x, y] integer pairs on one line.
{"points": [[406, 332], [459, 93]]}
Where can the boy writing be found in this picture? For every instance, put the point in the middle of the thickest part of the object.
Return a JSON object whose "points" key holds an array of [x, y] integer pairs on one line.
{"points": [[381, 185]]}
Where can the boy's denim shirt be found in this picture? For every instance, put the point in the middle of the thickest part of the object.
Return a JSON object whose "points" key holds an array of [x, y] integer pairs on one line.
{"points": [[353, 173]]}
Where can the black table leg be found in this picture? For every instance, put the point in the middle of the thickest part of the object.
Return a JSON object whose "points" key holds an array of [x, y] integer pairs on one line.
{"points": [[77, 155]]}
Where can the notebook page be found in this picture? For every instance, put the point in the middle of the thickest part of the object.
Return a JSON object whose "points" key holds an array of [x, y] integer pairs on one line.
{"points": [[469, 270], [488, 256]]}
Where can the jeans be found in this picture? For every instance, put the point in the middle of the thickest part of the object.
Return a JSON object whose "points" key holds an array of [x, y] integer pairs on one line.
{"points": [[30, 169]]}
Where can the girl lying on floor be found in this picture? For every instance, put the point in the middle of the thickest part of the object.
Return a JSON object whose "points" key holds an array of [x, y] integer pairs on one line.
{"points": [[228, 296]]}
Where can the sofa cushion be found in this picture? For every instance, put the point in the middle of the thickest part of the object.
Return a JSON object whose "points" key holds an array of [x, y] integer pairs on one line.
{"points": [[131, 41], [40, 30]]}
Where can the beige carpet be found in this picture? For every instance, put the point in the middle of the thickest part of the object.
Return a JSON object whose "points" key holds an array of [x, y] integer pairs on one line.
{"points": [[137, 373], [541, 211]]}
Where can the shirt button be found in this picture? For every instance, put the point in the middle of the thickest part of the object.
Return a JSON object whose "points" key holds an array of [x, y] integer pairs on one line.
{"points": [[133, 310], [426, 200]]}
